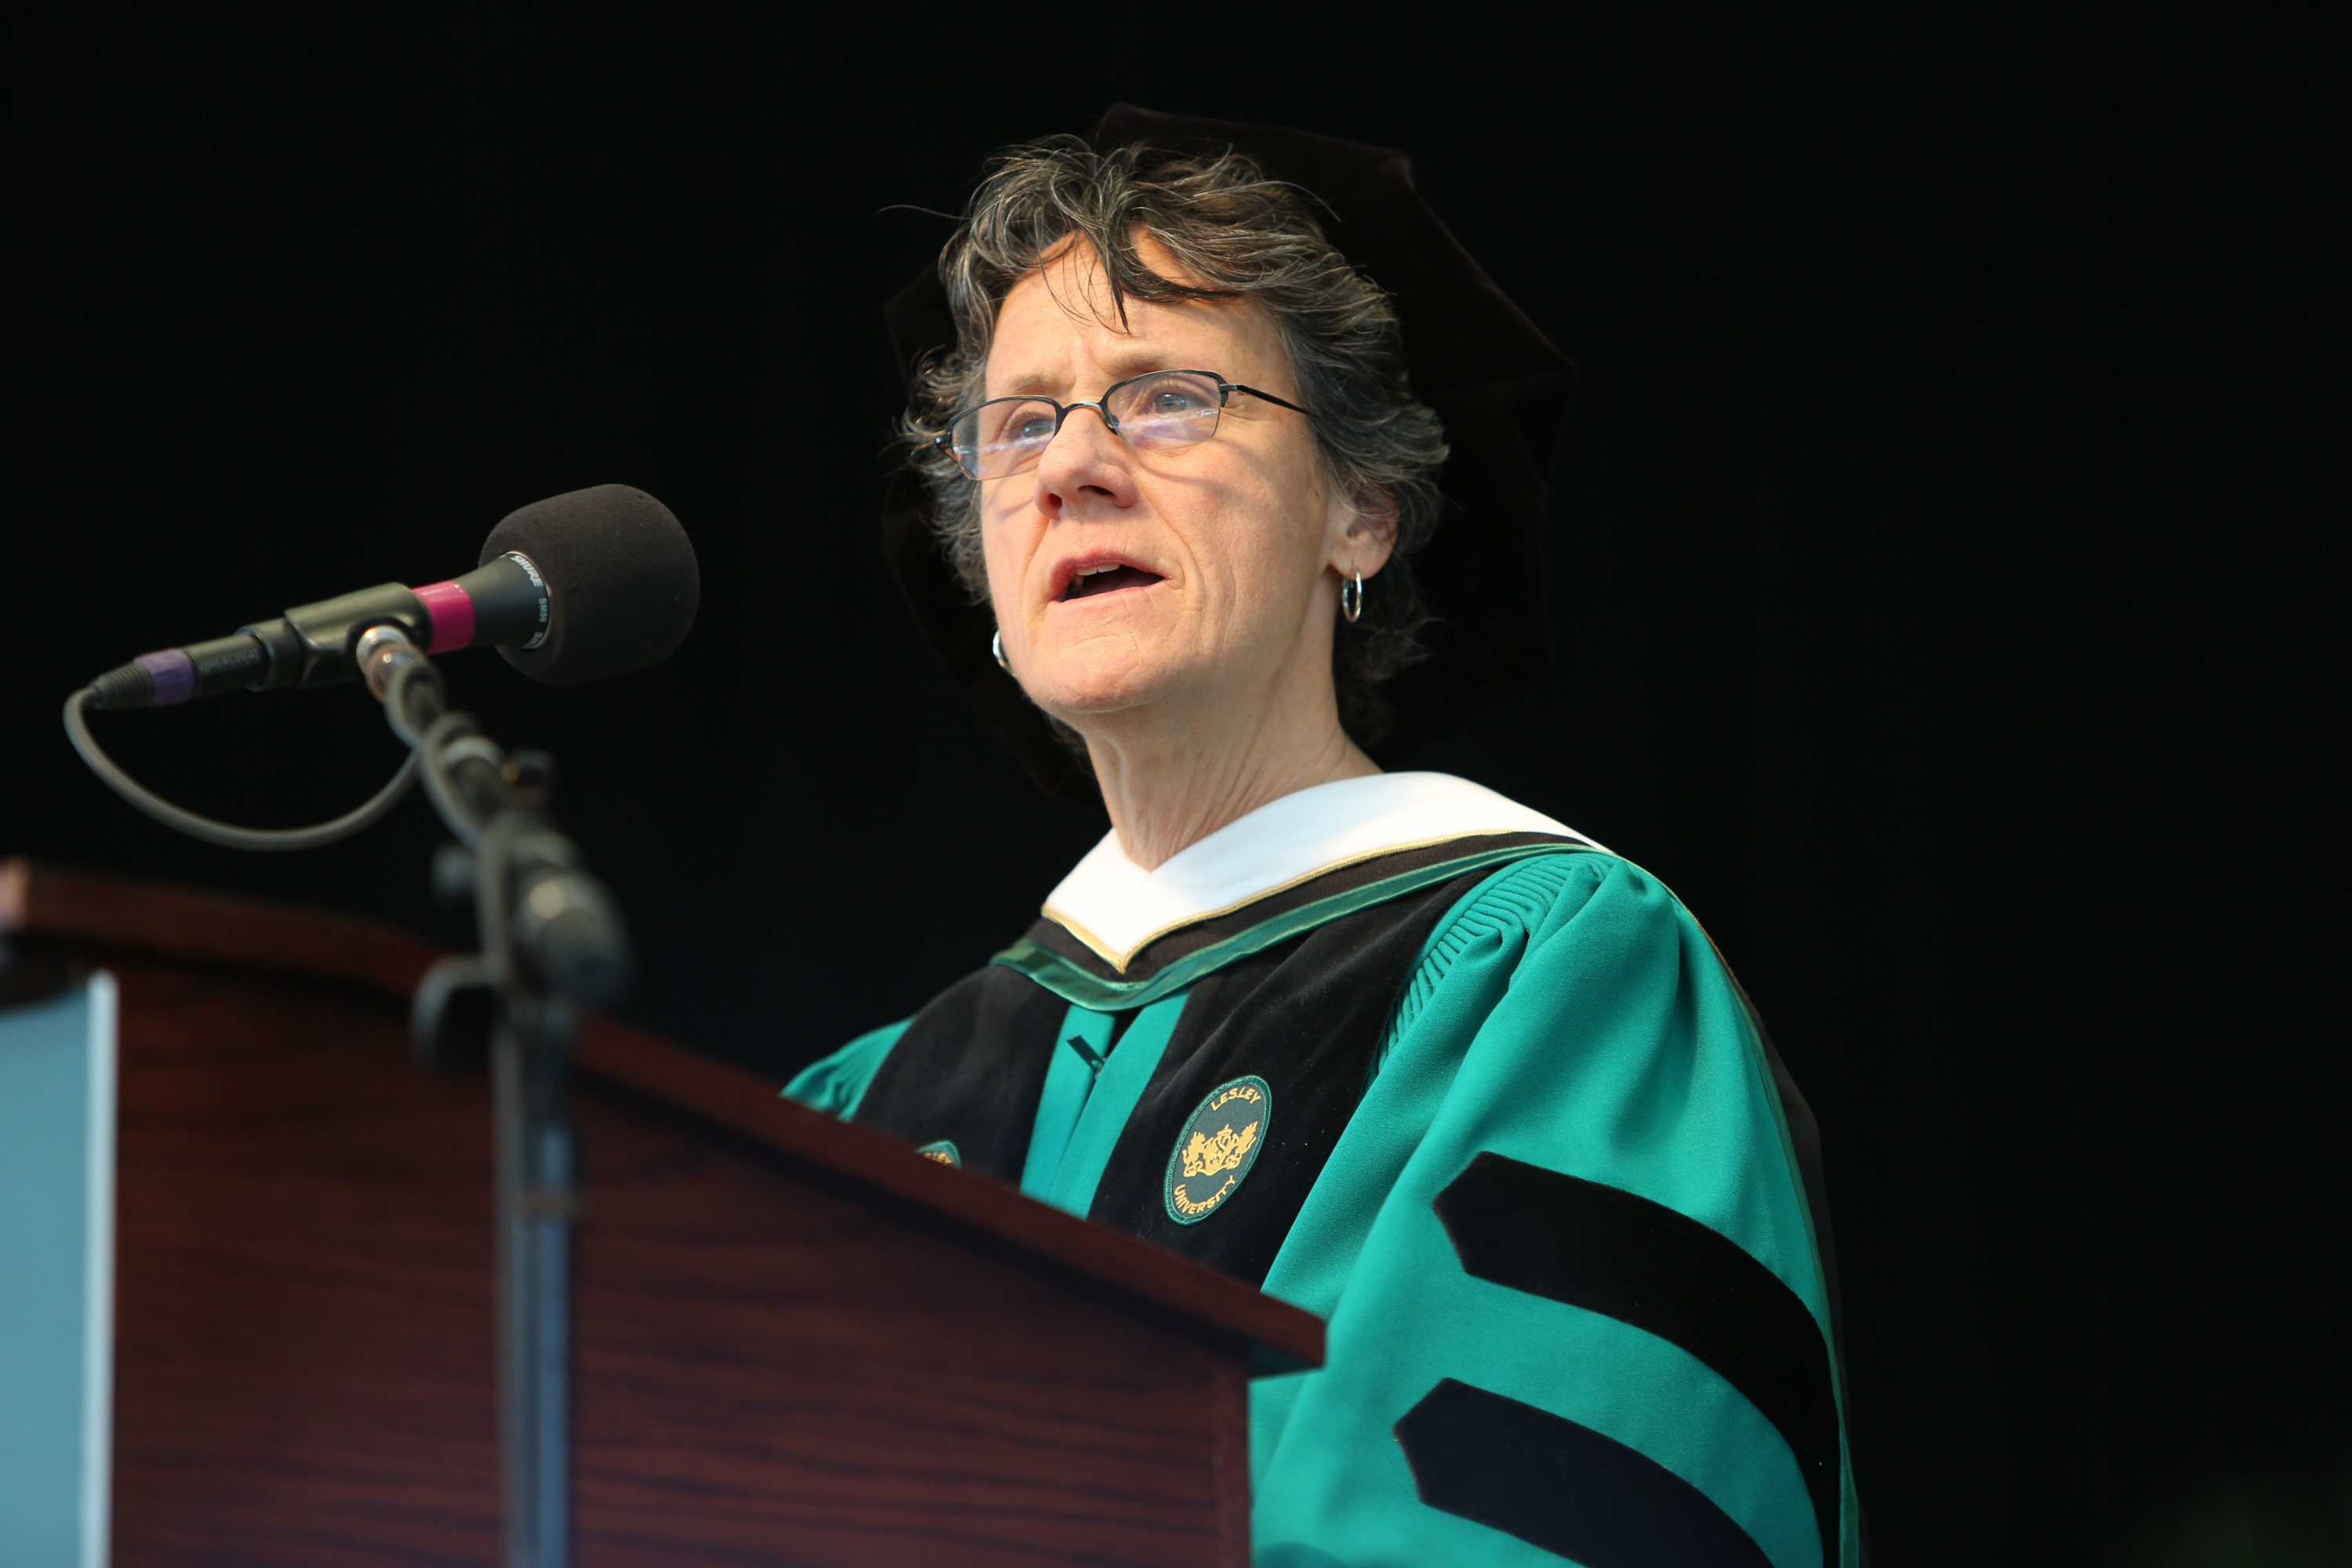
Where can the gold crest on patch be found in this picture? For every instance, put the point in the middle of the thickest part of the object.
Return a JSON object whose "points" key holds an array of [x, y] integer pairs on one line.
{"points": [[1217, 1147]]}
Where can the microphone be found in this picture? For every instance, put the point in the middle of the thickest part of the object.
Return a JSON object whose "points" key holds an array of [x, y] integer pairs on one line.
{"points": [[574, 588]]}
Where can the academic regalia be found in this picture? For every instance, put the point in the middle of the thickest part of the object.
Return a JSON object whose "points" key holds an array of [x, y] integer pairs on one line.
{"points": [[1480, 1093], [1419, 1059]]}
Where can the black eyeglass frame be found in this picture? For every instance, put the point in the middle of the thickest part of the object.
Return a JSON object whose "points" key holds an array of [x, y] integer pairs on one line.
{"points": [[945, 439]]}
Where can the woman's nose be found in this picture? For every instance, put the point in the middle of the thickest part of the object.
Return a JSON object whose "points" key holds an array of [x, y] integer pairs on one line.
{"points": [[1086, 460]]}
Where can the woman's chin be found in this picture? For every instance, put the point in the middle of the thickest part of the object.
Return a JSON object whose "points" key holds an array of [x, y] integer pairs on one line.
{"points": [[1076, 689], [1076, 702]]}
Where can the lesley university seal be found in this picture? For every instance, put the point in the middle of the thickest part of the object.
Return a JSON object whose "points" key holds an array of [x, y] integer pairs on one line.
{"points": [[1217, 1147]]}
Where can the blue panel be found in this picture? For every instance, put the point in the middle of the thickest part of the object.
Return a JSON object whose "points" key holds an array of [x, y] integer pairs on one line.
{"points": [[56, 1265]]}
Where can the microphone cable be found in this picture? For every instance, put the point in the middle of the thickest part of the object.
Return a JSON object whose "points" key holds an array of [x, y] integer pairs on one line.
{"points": [[228, 835]]}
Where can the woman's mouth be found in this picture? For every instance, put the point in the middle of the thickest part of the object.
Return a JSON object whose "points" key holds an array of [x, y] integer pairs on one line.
{"points": [[1107, 578]]}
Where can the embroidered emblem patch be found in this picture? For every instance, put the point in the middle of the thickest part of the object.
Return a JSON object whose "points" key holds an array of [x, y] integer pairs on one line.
{"points": [[1215, 1148], [942, 1150]]}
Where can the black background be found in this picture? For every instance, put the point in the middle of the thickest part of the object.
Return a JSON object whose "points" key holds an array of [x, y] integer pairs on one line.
{"points": [[1945, 574]]}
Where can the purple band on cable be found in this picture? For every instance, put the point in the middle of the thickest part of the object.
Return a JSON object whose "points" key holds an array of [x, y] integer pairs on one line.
{"points": [[173, 673], [453, 615]]}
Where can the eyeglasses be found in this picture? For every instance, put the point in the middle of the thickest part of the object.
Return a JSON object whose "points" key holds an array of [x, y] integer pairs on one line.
{"points": [[1159, 412]]}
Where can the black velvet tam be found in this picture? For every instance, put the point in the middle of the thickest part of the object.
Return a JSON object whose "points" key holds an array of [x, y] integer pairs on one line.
{"points": [[1497, 383]]}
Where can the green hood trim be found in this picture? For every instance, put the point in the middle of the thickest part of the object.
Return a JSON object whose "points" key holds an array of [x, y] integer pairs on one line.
{"points": [[1073, 985]]}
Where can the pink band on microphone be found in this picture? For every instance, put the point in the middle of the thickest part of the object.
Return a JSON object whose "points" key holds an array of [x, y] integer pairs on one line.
{"points": [[453, 615]]}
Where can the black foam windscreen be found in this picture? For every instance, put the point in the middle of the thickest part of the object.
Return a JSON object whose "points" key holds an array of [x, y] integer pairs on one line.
{"points": [[622, 579]]}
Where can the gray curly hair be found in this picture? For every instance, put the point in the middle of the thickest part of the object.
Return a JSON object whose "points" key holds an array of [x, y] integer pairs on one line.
{"points": [[1243, 235]]}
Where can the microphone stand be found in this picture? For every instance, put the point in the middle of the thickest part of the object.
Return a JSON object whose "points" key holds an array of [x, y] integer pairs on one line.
{"points": [[553, 945]]}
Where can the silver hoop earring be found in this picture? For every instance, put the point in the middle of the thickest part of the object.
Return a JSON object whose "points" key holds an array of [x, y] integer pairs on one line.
{"points": [[1351, 598], [996, 646]]}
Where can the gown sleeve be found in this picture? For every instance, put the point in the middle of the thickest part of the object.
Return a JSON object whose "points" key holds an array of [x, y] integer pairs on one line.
{"points": [[1576, 1309], [835, 1084]]}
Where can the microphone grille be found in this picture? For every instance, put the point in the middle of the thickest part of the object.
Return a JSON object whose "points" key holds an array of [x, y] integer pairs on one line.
{"points": [[623, 583]]}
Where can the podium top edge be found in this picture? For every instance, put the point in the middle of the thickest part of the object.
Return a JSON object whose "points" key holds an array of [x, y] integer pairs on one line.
{"points": [[196, 925]]}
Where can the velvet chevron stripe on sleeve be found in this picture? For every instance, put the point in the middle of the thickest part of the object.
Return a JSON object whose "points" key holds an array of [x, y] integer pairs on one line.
{"points": [[1561, 1486], [1610, 1251]]}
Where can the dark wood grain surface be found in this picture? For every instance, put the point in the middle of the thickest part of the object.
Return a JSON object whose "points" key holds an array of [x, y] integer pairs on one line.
{"points": [[944, 1402], [797, 1342], [304, 1342]]}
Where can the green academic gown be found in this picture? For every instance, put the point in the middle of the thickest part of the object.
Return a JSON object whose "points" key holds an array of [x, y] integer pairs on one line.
{"points": [[1496, 1109]]}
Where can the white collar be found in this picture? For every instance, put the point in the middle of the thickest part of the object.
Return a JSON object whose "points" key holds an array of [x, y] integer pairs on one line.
{"points": [[1116, 906]]}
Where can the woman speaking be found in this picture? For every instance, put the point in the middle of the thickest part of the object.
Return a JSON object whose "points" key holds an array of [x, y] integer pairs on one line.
{"points": [[1186, 519]]}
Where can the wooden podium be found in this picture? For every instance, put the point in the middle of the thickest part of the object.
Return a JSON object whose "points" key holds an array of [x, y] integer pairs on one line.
{"points": [[797, 1342]]}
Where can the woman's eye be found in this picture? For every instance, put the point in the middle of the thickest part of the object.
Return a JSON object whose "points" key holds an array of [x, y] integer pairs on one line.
{"points": [[1174, 400], [1020, 427]]}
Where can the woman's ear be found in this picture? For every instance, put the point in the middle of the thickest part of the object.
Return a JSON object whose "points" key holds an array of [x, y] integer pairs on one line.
{"points": [[1366, 538]]}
